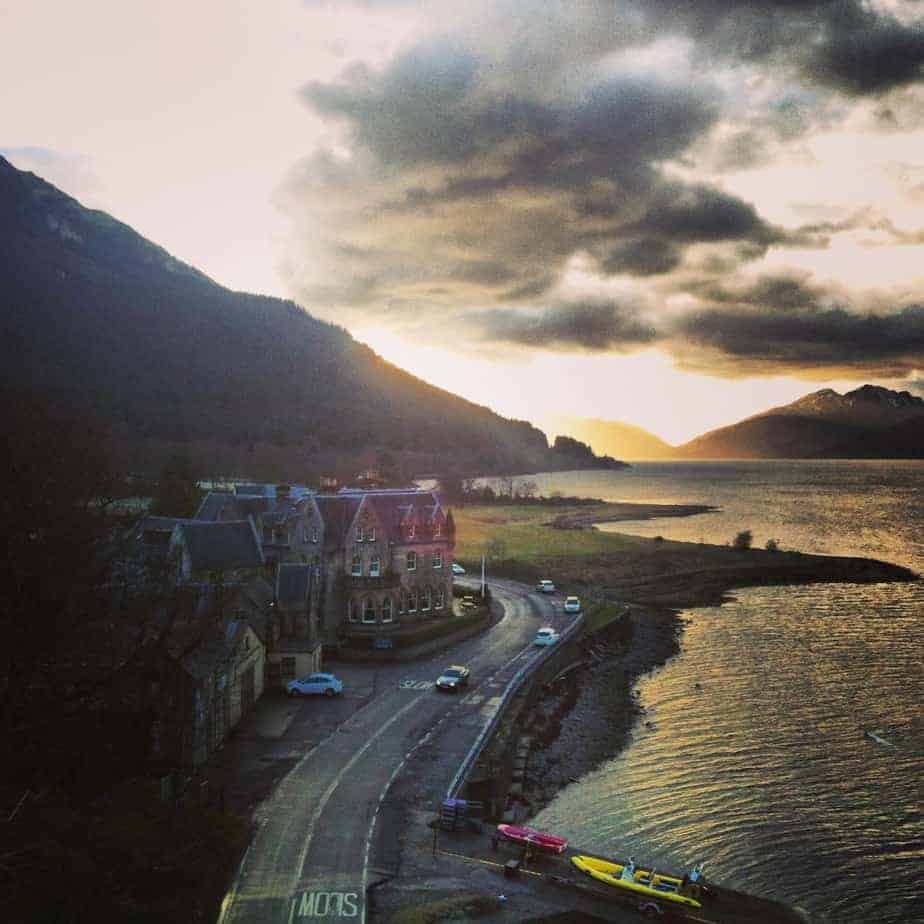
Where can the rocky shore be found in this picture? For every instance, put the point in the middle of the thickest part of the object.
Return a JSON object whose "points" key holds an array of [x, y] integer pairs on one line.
{"points": [[587, 716]]}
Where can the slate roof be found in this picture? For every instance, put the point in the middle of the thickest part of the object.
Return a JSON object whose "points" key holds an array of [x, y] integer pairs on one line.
{"points": [[293, 581], [391, 507], [338, 512], [216, 546], [222, 505]]}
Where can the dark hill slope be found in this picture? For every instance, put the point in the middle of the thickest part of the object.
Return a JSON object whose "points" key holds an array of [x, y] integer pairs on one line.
{"points": [[100, 321], [869, 422]]}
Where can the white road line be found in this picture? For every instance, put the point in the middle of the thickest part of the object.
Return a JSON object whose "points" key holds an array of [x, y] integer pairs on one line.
{"points": [[316, 815]]}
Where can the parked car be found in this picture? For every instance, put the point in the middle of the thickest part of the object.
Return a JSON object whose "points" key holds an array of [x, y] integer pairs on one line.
{"points": [[453, 678], [572, 605], [457, 568], [546, 636], [545, 587], [322, 684]]}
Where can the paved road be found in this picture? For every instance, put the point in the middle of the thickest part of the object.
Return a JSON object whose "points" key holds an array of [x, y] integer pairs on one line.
{"points": [[310, 858]]}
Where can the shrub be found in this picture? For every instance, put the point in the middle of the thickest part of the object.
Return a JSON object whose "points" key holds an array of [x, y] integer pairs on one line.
{"points": [[743, 540], [772, 545]]}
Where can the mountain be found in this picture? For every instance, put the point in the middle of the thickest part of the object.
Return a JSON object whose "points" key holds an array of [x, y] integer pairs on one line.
{"points": [[97, 321], [869, 422], [622, 440]]}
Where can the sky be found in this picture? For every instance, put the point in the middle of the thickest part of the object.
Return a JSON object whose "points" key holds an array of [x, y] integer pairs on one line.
{"points": [[674, 214]]}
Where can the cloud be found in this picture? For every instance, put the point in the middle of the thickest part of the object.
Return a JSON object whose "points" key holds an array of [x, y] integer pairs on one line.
{"points": [[833, 340], [591, 326], [516, 155]]}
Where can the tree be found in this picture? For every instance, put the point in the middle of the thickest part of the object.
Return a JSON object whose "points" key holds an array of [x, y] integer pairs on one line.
{"points": [[743, 540], [177, 493]]}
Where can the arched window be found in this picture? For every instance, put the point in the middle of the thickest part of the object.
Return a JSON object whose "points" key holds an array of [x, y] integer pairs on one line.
{"points": [[440, 601], [427, 599], [352, 615], [375, 566], [357, 569], [411, 561], [412, 601], [387, 610], [368, 610]]}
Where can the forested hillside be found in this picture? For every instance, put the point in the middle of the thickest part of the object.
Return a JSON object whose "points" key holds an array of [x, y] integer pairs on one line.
{"points": [[101, 322]]}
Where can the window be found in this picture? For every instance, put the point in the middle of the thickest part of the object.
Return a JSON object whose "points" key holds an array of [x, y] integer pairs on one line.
{"points": [[440, 599], [315, 535], [368, 610], [370, 534], [387, 610], [411, 561], [375, 566], [412, 601], [359, 534], [352, 615], [437, 559], [357, 568], [437, 530], [411, 531], [427, 599]]}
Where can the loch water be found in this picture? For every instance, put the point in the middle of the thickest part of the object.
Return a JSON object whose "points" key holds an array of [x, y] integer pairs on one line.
{"points": [[751, 755]]}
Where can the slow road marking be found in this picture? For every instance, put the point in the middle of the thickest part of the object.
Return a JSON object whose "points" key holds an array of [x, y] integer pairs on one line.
{"points": [[330, 905]]}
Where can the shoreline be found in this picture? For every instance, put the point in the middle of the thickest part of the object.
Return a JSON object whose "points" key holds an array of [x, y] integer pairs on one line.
{"points": [[588, 717]]}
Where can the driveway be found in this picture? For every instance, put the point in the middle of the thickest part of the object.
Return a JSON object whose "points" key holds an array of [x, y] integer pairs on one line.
{"points": [[310, 857]]}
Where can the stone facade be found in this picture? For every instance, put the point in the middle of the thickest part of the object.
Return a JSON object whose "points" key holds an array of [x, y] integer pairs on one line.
{"points": [[387, 561]]}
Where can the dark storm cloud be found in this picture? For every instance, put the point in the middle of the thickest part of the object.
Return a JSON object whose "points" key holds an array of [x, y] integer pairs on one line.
{"points": [[778, 291], [766, 340], [485, 164], [848, 45], [433, 106], [592, 326], [649, 256]]}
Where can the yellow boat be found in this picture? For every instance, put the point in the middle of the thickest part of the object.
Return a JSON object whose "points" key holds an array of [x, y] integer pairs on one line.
{"points": [[640, 881]]}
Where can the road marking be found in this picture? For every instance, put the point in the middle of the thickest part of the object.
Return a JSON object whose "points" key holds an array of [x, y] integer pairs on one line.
{"points": [[319, 904], [415, 684], [322, 804]]}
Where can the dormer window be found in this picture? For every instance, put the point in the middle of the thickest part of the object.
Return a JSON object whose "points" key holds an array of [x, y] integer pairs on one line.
{"points": [[370, 534]]}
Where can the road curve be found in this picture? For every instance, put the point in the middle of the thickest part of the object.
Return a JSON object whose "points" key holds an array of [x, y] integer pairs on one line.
{"points": [[309, 858]]}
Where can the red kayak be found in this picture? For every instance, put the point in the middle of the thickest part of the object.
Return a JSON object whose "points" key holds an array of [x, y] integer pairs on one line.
{"points": [[529, 837]]}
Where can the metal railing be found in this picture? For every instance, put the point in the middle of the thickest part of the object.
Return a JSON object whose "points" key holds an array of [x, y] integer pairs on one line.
{"points": [[512, 687]]}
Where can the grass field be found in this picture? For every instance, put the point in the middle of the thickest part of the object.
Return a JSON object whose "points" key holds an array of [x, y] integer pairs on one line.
{"points": [[519, 542]]}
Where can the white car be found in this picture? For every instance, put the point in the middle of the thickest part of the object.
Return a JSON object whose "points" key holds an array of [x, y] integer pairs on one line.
{"points": [[323, 684], [546, 636], [545, 587], [457, 568], [572, 605]]}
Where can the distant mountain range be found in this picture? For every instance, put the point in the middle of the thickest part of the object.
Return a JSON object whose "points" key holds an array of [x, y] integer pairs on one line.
{"points": [[869, 422], [98, 321]]}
